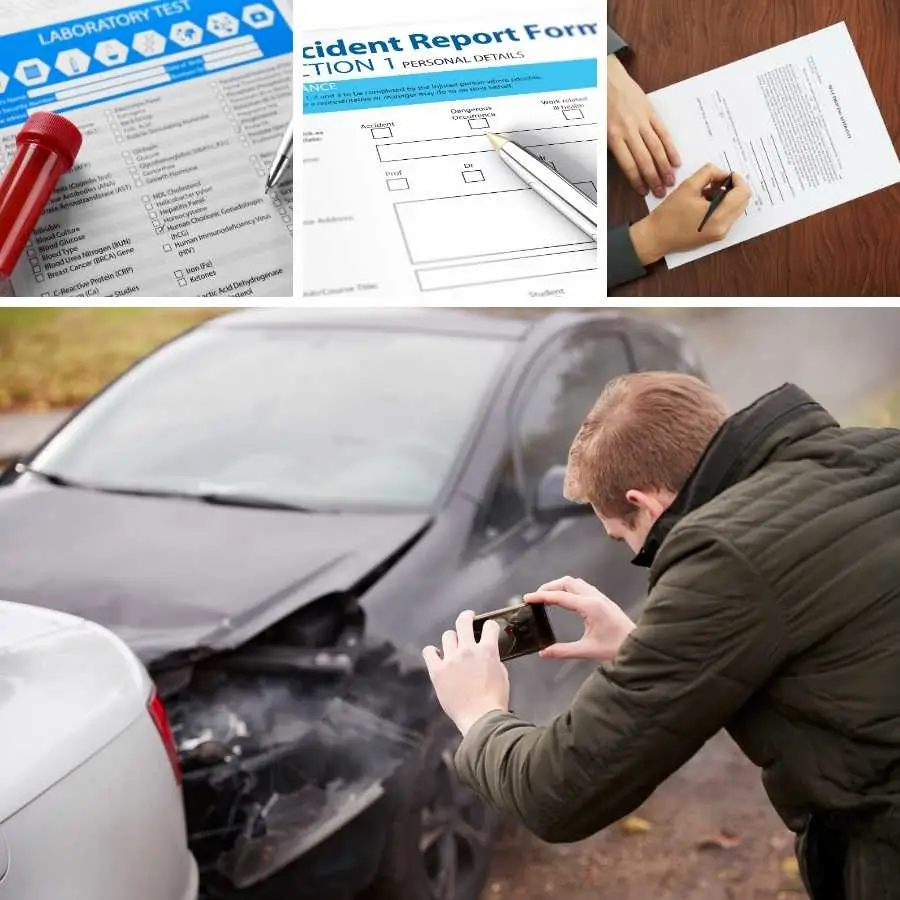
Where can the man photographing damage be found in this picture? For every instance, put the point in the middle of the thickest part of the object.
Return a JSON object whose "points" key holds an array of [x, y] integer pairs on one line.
{"points": [[773, 542]]}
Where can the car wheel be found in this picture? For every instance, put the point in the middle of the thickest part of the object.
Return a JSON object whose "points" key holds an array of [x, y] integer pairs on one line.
{"points": [[442, 834]]}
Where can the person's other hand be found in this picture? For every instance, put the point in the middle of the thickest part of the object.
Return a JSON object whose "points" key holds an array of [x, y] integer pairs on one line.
{"points": [[635, 135], [469, 678], [672, 226], [605, 624]]}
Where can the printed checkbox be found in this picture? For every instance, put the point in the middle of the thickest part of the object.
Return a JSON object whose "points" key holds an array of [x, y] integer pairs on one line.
{"points": [[38, 278], [145, 199], [573, 113], [478, 122], [472, 175], [167, 248], [48, 294], [119, 140], [148, 206], [398, 184], [179, 273], [382, 133], [154, 215], [182, 282]]}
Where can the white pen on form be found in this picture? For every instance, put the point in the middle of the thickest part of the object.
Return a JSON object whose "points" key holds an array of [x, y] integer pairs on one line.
{"points": [[564, 197]]}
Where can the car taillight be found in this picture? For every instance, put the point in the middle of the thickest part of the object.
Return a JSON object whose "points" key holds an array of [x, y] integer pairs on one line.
{"points": [[161, 721]]}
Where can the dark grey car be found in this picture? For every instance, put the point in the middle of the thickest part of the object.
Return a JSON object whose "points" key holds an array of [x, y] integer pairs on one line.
{"points": [[276, 511]]}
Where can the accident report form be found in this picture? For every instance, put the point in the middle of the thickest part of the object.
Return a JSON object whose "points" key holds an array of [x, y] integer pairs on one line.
{"points": [[182, 104], [403, 194], [798, 121]]}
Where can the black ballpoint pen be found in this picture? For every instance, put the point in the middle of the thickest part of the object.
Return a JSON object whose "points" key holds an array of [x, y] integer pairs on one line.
{"points": [[721, 191]]}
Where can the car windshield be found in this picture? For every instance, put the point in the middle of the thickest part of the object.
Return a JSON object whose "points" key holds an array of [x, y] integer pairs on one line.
{"points": [[321, 418]]}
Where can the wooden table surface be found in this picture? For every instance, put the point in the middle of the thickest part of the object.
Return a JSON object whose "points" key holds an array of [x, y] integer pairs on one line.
{"points": [[851, 250]]}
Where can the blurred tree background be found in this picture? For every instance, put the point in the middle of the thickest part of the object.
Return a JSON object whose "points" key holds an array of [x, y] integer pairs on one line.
{"points": [[53, 358]]}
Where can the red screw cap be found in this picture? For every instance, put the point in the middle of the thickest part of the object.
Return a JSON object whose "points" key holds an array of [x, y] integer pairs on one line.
{"points": [[53, 131]]}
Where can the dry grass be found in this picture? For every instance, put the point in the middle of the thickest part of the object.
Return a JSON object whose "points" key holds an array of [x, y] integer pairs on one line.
{"points": [[59, 357]]}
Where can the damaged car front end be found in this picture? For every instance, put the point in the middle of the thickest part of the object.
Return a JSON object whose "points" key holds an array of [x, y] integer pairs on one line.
{"points": [[288, 740]]}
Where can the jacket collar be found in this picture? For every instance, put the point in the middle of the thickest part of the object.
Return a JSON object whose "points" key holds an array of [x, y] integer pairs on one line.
{"points": [[745, 442]]}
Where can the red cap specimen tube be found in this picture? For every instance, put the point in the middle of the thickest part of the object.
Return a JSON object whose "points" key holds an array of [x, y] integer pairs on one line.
{"points": [[46, 148]]}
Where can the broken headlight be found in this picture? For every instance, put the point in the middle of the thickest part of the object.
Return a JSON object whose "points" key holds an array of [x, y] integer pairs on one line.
{"points": [[288, 738]]}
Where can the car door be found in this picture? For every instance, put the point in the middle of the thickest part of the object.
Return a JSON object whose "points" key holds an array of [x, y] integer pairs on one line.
{"points": [[560, 387]]}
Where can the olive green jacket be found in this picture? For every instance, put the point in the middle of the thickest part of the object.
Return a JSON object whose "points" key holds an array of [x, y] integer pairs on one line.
{"points": [[774, 612]]}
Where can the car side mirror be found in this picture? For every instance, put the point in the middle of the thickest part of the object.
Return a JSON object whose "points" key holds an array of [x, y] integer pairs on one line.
{"points": [[549, 503]]}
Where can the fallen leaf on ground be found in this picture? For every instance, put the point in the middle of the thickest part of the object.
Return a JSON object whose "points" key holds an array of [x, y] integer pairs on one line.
{"points": [[636, 825], [780, 841], [721, 840], [790, 867]]}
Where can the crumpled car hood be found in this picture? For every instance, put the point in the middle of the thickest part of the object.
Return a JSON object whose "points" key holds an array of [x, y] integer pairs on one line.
{"points": [[171, 575]]}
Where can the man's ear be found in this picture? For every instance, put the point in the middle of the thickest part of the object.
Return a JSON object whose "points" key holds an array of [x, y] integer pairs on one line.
{"points": [[650, 502]]}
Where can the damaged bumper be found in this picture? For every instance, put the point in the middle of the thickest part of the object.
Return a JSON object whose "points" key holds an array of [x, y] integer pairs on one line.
{"points": [[283, 748]]}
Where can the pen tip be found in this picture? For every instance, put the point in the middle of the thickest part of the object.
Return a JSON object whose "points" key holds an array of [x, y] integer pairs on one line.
{"points": [[496, 141]]}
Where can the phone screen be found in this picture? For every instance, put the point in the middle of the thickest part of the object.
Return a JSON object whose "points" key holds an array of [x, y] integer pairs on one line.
{"points": [[524, 628]]}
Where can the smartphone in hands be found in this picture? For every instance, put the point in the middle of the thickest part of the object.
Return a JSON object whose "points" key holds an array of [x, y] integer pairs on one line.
{"points": [[524, 628]]}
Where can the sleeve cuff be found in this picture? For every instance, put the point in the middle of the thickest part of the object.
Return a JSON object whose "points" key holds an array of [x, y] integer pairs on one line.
{"points": [[621, 258], [614, 42], [473, 744]]}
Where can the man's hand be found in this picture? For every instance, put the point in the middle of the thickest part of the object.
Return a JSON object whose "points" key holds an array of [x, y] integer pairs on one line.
{"points": [[672, 226], [469, 679], [635, 135], [605, 624]]}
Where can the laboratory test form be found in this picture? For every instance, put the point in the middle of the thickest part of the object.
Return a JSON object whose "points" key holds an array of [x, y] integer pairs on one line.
{"points": [[182, 104], [403, 193]]}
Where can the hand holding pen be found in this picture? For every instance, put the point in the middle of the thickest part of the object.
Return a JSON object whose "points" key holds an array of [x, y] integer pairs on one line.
{"points": [[701, 210], [716, 193]]}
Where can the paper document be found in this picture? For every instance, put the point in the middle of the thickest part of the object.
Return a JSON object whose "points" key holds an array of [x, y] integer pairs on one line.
{"points": [[182, 104], [799, 122], [403, 193]]}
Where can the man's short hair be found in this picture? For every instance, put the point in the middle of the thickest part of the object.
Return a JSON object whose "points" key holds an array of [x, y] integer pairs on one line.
{"points": [[647, 431]]}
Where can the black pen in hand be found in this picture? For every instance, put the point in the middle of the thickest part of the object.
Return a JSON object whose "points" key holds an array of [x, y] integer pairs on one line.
{"points": [[719, 196]]}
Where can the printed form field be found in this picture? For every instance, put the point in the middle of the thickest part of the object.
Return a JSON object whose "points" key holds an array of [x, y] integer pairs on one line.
{"points": [[490, 227]]}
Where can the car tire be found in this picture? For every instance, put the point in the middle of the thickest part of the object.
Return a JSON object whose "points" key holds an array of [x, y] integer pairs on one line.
{"points": [[441, 835]]}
